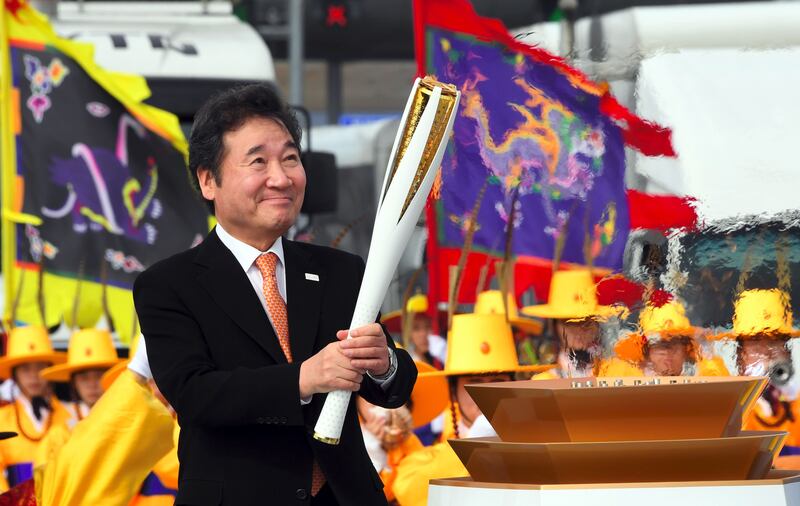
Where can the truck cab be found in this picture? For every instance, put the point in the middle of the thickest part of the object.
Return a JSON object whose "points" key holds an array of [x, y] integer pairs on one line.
{"points": [[186, 50]]}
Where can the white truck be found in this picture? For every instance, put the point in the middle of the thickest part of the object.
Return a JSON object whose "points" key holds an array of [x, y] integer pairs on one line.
{"points": [[185, 50]]}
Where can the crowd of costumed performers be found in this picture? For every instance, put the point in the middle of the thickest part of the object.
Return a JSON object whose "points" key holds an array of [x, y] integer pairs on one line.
{"points": [[112, 438], [589, 339], [113, 442]]}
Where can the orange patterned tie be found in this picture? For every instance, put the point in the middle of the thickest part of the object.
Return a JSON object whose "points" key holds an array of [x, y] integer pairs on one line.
{"points": [[276, 307]]}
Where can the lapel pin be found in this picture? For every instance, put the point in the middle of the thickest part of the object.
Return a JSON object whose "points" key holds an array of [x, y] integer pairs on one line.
{"points": [[312, 277]]}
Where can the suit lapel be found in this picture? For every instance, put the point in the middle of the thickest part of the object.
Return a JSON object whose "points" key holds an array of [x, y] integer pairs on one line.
{"points": [[228, 286], [304, 299]]}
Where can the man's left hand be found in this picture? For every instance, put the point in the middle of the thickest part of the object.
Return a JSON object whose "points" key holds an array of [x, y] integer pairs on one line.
{"points": [[366, 349]]}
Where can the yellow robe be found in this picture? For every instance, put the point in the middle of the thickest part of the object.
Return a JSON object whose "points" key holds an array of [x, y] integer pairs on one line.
{"points": [[161, 486], [789, 457], [394, 457], [58, 435], [17, 454], [415, 470], [109, 454]]}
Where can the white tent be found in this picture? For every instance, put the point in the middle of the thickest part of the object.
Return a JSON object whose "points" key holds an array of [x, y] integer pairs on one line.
{"points": [[734, 117], [724, 78], [622, 39], [169, 39]]}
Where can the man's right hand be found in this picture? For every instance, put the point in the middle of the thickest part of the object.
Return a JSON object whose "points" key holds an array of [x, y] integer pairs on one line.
{"points": [[327, 371]]}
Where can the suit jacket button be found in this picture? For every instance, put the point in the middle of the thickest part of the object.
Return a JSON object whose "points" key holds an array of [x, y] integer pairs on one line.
{"points": [[301, 493]]}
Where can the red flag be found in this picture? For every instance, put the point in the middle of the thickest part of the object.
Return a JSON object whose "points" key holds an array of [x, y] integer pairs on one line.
{"points": [[661, 212], [459, 18]]}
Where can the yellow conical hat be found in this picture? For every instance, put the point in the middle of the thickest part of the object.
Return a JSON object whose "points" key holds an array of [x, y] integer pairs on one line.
{"points": [[761, 313], [481, 344], [573, 296], [28, 344], [667, 320], [662, 322], [88, 349], [417, 304], [491, 302], [429, 398]]}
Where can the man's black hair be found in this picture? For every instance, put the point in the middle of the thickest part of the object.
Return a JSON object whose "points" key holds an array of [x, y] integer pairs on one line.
{"points": [[226, 112]]}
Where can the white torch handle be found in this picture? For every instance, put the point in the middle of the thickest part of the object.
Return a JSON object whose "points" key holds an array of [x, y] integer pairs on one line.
{"points": [[389, 237], [331, 419]]}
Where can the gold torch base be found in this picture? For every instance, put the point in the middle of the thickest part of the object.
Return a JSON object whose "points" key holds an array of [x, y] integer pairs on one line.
{"points": [[326, 440]]}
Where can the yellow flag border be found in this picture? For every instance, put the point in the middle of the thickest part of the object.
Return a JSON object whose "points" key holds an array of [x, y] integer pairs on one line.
{"points": [[129, 90], [8, 158]]}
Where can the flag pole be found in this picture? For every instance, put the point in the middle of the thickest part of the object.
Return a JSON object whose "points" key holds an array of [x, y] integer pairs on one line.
{"points": [[7, 159]]}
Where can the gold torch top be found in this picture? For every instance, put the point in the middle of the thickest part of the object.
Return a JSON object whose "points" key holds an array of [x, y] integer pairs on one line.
{"points": [[444, 111]]}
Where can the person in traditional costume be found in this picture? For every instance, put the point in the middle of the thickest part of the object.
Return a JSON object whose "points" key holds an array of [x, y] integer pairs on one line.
{"points": [[160, 486], [576, 317], [90, 354], [35, 410], [666, 344], [762, 326], [109, 453], [524, 328], [481, 350], [388, 433], [424, 345]]}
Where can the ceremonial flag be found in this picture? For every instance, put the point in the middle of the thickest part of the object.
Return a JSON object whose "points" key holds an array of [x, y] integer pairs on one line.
{"points": [[536, 146], [94, 181]]}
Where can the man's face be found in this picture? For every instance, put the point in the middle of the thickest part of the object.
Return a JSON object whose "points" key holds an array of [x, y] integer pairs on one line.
{"points": [[262, 182], [29, 381], [578, 334], [756, 355], [667, 357], [469, 409], [87, 384]]}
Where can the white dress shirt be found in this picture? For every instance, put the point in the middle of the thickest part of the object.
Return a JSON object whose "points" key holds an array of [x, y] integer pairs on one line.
{"points": [[139, 362], [27, 407], [9, 390], [246, 255]]}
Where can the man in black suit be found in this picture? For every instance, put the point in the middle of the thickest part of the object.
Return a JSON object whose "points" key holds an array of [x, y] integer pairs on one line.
{"points": [[244, 331]]}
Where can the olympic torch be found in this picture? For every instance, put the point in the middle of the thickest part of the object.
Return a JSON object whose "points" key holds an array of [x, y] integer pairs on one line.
{"points": [[416, 155]]}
